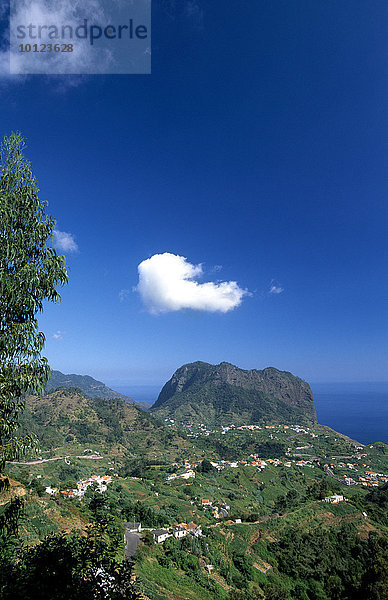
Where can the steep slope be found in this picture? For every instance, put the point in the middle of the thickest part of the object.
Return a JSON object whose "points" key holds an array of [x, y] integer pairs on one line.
{"points": [[67, 418], [92, 388], [214, 393]]}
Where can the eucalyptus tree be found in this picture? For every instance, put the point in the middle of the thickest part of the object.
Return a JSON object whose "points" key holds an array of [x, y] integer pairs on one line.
{"points": [[30, 271]]}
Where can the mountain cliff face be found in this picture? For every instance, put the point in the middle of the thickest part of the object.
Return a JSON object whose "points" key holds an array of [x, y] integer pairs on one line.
{"points": [[224, 393]]}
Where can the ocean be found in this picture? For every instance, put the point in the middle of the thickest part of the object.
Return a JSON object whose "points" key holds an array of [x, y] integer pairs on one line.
{"points": [[140, 393], [359, 410]]}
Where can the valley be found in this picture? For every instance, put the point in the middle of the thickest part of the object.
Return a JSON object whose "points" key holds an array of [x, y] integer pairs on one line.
{"points": [[245, 496]]}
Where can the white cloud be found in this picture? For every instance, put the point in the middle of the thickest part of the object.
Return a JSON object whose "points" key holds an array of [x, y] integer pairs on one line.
{"points": [[167, 283], [275, 288], [58, 335], [64, 242]]}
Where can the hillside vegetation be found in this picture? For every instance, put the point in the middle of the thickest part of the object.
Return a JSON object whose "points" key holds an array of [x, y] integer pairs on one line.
{"points": [[66, 419], [255, 491]]}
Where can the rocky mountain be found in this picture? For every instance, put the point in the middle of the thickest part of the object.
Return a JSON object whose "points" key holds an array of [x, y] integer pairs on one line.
{"points": [[224, 393], [89, 386]]}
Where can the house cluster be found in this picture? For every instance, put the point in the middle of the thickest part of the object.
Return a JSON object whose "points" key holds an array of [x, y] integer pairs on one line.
{"points": [[197, 430], [101, 483], [220, 465], [276, 462], [372, 479], [188, 469], [177, 531], [187, 473], [368, 478], [304, 463], [347, 475], [257, 462], [253, 461], [248, 427]]}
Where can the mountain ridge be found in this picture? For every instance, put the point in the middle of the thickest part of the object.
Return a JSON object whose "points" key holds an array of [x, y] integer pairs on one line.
{"points": [[228, 392], [91, 387]]}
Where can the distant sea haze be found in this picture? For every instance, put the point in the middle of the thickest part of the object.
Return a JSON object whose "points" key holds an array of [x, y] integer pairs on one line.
{"points": [[359, 410]]}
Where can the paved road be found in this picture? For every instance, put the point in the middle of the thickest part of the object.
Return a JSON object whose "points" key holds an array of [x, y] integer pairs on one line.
{"points": [[132, 540], [43, 460]]}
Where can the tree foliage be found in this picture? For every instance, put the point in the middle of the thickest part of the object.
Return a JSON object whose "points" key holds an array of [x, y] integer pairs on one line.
{"points": [[29, 274], [63, 567], [333, 565], [205, 467]]}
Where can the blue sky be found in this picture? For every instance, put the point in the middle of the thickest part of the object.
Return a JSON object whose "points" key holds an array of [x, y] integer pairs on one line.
{"points": [[256, 148]]}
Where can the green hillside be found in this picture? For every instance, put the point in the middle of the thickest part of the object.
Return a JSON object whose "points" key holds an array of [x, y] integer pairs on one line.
{"points": [[290, 543], [67, 420]]}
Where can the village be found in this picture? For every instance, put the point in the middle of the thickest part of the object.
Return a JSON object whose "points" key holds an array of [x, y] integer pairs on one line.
{"points": [[355, 473], [100, 483], [349, 473]]}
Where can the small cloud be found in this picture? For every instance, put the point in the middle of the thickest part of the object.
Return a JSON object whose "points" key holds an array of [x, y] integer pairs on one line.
{"points": [[124, 294], [167, 283], [65, 241], [275, 288], [58, 335]]}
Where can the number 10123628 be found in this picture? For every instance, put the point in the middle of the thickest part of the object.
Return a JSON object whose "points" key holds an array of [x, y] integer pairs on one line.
{"points": [[45, 47]]}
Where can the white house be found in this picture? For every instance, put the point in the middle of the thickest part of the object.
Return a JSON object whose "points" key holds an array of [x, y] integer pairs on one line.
{"points": [[133, 527], [334, 499], [187, 473], [160, 535], [349, 481], [179, 532]]}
